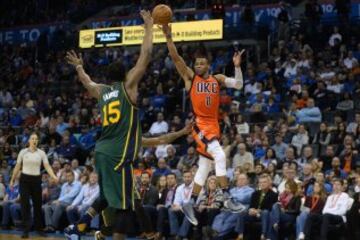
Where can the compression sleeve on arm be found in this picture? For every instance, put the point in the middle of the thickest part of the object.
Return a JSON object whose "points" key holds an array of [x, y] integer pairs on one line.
{"points": [[236, 82]]}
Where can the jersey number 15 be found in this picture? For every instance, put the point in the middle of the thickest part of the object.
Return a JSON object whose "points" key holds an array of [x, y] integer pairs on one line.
{"points": [[111, 113]]}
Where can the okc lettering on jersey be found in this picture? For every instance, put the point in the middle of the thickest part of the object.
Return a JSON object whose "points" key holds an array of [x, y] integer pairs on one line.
{"points": [[113, 94], [205, 87]]}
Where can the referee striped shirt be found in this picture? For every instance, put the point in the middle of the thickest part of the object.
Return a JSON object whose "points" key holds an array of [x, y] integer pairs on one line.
{"points": [[31, 161]]}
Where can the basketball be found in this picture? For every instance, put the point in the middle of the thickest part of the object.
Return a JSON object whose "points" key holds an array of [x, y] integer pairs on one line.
{"points": [[162, 14]]}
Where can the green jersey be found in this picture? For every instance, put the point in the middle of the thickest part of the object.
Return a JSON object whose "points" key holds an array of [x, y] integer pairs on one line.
{"points": [[121, 130]]}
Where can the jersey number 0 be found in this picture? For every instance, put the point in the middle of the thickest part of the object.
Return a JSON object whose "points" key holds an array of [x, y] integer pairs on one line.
{"points": [[111, 113]]}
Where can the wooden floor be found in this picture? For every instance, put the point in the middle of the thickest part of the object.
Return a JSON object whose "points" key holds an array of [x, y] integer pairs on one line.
{"points": [[13, 236]]}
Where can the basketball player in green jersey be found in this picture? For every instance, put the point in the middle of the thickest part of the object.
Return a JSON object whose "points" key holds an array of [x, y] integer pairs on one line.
{"points": [[120, 140]]}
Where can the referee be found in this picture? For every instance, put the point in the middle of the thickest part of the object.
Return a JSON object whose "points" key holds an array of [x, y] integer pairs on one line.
{"points": [[29, 164]]}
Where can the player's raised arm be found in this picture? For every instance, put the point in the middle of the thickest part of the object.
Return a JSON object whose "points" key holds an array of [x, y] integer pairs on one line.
{"points": [[137, 72], [236, 82], [185, 72], [166, 138], [73, 59]]}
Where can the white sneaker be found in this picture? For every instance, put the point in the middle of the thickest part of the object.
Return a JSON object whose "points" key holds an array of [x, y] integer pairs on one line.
{"points": [[301, 236]]}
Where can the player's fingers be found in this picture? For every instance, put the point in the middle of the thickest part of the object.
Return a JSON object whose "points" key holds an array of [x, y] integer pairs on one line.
{"points": [[73, 54]]}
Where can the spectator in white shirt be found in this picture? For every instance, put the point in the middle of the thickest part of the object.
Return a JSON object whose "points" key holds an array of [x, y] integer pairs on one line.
{"points": [[160, 126], [182, 195], [350, 61], [242, 157], [335, 208], [300, 139], [304, 61], [327, 73], [88, 193], [75, 168], [335, 86], [290, 69], [335, 35], [351, 128], [242, 127]]}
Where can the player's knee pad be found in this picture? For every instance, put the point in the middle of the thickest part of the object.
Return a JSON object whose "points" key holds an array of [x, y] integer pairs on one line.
{"points": [[219, 156], [203, 170]]}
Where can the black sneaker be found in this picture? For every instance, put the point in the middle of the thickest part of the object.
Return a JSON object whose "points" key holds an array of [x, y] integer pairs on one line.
{"points": [[188, 210]]}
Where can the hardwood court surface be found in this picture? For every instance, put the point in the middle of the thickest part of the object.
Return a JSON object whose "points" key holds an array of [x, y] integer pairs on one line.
{"points": [[4, 236]]}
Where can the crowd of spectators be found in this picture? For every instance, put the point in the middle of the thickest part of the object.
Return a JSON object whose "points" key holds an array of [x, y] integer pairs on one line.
{"points": [[291, 137]]}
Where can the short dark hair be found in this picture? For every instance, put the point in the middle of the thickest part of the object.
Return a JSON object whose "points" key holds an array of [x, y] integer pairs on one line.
{"points": [[116, 71], [89, 168], [338, 180], [171, 174]]}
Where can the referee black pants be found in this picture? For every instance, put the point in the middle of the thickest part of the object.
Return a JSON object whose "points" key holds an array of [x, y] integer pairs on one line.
{"points": [[30, 188]]}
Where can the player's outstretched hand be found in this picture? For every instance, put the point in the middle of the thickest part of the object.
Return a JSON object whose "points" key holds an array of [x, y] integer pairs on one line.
{"points": [[237, 58], [73, 59], [188, 128], [146, 16], [166, 28]]}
